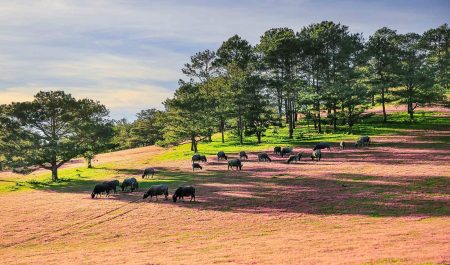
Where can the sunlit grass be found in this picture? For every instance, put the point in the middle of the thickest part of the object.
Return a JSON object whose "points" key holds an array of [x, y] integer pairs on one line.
{"points": [[79, 178]]}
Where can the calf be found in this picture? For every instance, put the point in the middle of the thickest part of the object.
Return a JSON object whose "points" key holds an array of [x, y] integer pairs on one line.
{"points": [[235, 163], [285, 151], [295, 158], [317, 155], [130, 182], [148, 171], [277, 150], [264, 157], [322, 146], [221, 155], [182, 192], [362, 141], [196, 165], [198, 157], [243, 155]]}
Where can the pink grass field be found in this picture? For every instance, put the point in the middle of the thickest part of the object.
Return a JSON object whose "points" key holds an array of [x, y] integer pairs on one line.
{"points": [[384, 204]]}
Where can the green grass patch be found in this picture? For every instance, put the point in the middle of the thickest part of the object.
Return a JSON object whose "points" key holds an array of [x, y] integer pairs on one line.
{"points": [[398, 123]]}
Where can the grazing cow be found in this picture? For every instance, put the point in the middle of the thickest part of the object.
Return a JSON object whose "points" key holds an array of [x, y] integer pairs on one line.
{"points": [[264, 157], [277, 150], [285, 151], [295, 158], [243, 155], [148, 171], [112, 185], [322, 146], [182, 192], [221, 155], [156, 190], [198, 157], [196, 165], [342, 145], [363, 141], [130, 182], [99, 189], [234, 163], [317, 155]]}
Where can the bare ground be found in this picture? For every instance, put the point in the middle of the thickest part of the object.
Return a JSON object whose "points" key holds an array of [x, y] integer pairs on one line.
{"points": [[388, 203]]}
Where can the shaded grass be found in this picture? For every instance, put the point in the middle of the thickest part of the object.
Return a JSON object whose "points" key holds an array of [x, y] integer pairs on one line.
{"points": [[81, 178]]}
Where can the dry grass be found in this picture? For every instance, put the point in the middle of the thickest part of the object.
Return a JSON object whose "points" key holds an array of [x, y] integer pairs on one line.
{"points": [[388, 203]]}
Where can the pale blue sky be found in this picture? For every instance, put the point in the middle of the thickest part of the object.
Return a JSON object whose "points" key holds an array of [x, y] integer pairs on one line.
{"points": [[128, 54]]}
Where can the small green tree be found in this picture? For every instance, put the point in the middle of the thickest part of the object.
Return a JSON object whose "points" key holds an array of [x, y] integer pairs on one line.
{"points": [[147, 129], [185, 119], [257, 113]]}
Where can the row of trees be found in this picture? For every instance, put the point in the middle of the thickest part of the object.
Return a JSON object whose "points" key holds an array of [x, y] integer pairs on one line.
{"points": [[322, 70], [323, 73]]}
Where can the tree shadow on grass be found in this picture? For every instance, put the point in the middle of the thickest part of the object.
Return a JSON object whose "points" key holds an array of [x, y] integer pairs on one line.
{"points": [[285, 192]]}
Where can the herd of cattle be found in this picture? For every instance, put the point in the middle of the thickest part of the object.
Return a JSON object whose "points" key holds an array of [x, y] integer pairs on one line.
{"points": [[286, 151], [155, 190], [189, 191]]}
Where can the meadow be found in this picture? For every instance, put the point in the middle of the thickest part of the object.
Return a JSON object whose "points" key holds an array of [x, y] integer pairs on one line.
{"points": [[388, 203]]}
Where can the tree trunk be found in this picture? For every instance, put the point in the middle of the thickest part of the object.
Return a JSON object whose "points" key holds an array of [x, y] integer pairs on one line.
{"points": [[89, 161], [319, 125], [373, 99], [334, 118], [222, 129], [384, 107], [287, 110], [280, 108], [54, 172], [293, 114], [290, 116], [410, 110], [193, 144], [240, 130], [258, 135], [315, 122], [350, 120]]}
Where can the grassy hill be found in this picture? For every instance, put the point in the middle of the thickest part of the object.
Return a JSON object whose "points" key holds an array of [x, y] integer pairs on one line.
{"points": [[76, 176]]}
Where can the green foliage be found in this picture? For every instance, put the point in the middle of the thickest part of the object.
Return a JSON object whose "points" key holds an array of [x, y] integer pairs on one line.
{"points": [[415, 75], [383, 52], [185, 118], [50, 130]]}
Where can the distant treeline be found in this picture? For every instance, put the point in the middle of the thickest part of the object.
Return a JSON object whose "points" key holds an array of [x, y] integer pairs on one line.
{"points": [[288, 75]]}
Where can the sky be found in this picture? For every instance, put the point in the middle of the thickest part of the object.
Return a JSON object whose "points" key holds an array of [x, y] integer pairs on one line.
{"points": [[128, 54]]}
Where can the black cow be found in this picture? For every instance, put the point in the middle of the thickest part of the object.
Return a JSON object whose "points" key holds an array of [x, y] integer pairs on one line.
{"points": [[182, 192]]}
